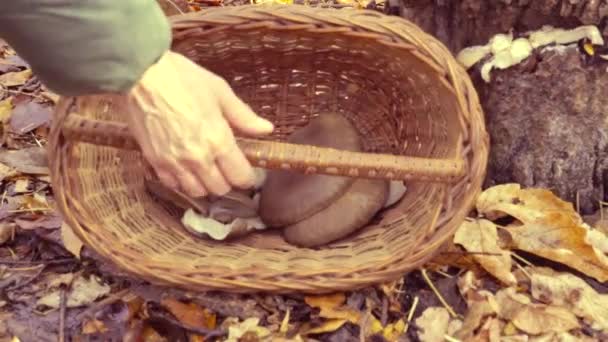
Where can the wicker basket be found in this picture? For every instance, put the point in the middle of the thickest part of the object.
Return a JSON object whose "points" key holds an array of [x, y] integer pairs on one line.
{"points": [[410, 100]]}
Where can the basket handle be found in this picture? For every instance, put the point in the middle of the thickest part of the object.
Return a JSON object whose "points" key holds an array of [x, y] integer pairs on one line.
{"points": [[287, 156]]}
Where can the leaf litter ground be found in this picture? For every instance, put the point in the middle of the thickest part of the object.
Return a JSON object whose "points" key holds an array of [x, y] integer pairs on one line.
{"points": [[524, 267]]}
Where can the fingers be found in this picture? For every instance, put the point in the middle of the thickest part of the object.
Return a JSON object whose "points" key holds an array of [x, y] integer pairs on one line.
{"points": [[235, 167], [210, 176], [239, 114]]}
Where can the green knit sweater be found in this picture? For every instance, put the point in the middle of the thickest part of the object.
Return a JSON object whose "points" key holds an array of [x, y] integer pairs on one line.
{"points": [[78, 47]]}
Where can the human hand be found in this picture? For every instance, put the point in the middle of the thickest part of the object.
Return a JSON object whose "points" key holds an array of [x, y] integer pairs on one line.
{"points": [[181, 115]]}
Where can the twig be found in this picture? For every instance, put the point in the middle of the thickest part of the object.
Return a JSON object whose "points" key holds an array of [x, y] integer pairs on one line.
{"points": [[450, 338], [444, 274], [411, 314], [62, 314], [520, 258], [28, 210], [92, 310], [40, 262], [27, 282], [439, 296], [578, 204], [175, 5], [384, 317], [24, 93], [523, 270]]}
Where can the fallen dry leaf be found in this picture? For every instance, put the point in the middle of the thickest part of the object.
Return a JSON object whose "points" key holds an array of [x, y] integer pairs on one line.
{"points": [[480, 306], [50, 221], [510, 302], [7, 172], [571, 292], [15, 78], [549, 227], [190, 313], [326, 327], [331, 306], [28, 116], [236, 331], [538, 319], [433, 324], [83, 291], [481, 237], [6, 108], [21, 185], [30, 160], [93, 326], [7, 230], [71, 242]]}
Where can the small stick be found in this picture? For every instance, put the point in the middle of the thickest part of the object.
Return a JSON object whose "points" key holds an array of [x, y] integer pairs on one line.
{"points": [[439, 296], [450, 338], [411, 314], [520, 258], [62, 314], [384, 318], [88, 313]]}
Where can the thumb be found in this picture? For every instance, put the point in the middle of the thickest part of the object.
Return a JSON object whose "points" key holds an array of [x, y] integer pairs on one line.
{"points": [[241, 117]]}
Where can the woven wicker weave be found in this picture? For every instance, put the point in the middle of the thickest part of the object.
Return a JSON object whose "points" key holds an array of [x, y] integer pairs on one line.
{"points": [[402, 89]]}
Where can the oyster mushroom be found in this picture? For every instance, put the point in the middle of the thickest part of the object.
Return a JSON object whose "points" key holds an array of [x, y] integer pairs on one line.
{"points": [[288, 197], [341, 218]]}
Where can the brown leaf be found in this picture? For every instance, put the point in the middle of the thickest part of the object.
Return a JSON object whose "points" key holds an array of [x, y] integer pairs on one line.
{"points": [[15, 78], [31, 160], [510, 302], [479, 237], [7, 230], [549, 227], [28, 116], [190, 313], [51, 221], [12, 63]]}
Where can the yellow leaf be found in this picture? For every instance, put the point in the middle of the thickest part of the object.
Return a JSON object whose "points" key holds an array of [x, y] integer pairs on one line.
{"points": [[332, 307], [480, 237], [332, 300], [548, 227], [6, 107], [250, 325], [285, 323], [70, 240], [16, 78], [328, 326], [93, 327]]}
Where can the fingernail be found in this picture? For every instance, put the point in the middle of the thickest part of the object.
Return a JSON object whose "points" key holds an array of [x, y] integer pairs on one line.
{"points": [[266, 125]]}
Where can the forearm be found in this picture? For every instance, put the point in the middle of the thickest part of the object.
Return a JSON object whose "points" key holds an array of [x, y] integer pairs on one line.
{"points": [[86, 47]]}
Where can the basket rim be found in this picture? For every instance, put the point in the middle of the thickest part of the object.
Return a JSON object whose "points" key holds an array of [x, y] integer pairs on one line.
{"points": [[390, 30]]}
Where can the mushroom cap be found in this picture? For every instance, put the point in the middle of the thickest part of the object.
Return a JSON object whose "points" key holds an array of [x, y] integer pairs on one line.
{"points": [[346, 215], [287, 196]]}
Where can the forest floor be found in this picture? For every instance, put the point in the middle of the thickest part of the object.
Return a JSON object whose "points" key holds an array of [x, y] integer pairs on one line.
{"points": [[526, 267]]}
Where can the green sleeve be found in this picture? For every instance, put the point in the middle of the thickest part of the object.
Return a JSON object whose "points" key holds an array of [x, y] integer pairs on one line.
{"points": [[78, 47]]}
